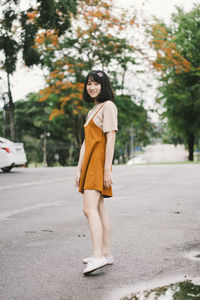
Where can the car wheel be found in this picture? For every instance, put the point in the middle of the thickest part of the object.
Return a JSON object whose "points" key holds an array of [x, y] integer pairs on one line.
{"points": [[6, 169]]}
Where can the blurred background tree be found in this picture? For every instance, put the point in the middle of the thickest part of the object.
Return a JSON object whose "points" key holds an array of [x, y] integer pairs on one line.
{"points": [[18, 29], [94, 42], [96, 39], [32, 122], [178, 59]]}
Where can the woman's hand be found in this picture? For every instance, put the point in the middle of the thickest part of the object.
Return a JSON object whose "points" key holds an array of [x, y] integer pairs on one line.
{"points": [[77, 178], [80, 162], [107, 180], [110, 144]]}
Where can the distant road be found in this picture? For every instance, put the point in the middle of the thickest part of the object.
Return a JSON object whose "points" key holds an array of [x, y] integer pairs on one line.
{"points": [[165, 153]]}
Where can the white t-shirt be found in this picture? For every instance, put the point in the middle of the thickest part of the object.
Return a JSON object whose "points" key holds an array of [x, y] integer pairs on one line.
{"points": [[106, 118]]}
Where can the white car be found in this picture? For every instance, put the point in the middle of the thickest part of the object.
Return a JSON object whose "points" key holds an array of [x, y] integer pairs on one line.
{"points": [[11, 155]]}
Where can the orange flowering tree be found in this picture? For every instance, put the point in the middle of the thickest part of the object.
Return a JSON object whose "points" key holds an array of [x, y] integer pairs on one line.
{"points": [[168, 55], [178, 60], [18, 29], [98, 39]]}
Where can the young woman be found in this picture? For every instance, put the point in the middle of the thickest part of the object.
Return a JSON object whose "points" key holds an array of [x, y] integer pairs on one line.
{"points": [[93, 175]]}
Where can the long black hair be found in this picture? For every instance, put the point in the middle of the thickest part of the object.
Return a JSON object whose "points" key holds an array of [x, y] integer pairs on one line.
{"points": [[106, 88]]}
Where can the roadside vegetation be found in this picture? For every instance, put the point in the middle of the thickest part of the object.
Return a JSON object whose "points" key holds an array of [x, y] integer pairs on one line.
{"points": [[98, 35]]}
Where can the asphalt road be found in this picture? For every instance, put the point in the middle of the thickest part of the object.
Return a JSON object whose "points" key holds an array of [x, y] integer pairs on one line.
{"points": [[155, 216], [165, 153]]}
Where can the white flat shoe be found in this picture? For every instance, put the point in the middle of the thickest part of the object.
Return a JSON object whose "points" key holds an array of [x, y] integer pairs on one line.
{"points": [[109, 259], [95, 264]]}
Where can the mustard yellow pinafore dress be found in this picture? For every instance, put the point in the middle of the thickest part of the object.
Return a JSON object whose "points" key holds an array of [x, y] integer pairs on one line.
{"points": [[92, 172]]}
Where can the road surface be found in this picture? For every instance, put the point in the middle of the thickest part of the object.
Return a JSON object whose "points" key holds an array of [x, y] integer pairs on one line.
{"points": [[155, 217], [165, 153]]}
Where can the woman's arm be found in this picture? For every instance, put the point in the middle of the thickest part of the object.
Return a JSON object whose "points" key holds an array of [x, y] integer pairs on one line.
{"points": [[80, 162], [110, 146]]}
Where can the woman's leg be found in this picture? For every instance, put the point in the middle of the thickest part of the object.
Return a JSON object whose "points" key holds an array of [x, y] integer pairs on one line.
{"points": [[106, 228], [90, 208]]}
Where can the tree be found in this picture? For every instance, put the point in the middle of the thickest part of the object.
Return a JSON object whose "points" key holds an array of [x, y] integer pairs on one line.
{"points": [[18, 30], [134, 127], [97, 40], [178, 58], [32, 121]]}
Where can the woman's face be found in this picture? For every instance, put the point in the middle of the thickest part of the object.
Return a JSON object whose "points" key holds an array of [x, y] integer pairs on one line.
{"points": [[93, 88]]}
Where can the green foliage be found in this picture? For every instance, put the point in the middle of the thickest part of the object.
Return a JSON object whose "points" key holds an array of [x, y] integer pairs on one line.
{"points": [[32, 121], [168, 135], [10, 48], [181, 90], [18, 30], [97, 40], [132, 119], [46, 15]]}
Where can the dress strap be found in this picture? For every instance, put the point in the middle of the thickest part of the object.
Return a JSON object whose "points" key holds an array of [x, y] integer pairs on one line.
{"points": [[97, 111], [89, 113]]}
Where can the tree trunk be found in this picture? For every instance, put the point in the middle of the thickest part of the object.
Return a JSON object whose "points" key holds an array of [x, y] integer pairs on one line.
{"points": [[131, 141], [191, 146], [11, 111], [5, 118]]}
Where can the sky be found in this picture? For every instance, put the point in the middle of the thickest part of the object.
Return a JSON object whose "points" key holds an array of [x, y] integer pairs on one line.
{"points": [[26, 80], [160, 8]]}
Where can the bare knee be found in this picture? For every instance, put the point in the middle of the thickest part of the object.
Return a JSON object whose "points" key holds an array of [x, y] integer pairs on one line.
{"points": [[91, 201], [89, 211], [85, 211]]}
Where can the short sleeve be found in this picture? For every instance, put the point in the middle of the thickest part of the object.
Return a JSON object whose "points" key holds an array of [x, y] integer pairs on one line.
{"points": [[110, 117]]}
